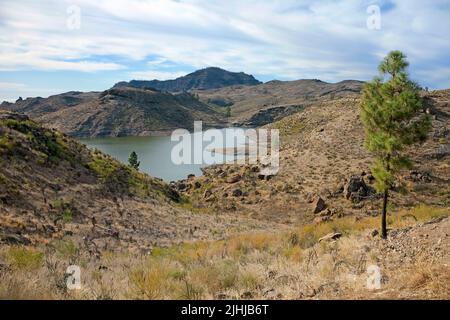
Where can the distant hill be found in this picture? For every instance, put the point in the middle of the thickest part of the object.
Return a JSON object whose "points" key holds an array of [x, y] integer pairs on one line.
{"points": [[126, 110], [118, 112], [208, 78], [273, 100]]}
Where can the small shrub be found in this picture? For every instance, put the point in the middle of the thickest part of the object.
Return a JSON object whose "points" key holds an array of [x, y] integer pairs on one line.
{"points": [[24, 258]]}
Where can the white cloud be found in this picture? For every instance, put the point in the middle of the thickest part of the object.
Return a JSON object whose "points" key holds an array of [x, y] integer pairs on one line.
{"points": [[12, 85], [284, 39], [159, 75], [11, 91]]}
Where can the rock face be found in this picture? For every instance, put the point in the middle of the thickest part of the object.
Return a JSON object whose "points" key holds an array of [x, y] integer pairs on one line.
{"points": [[273, 100], [441, 152], [319, 205], [208, 78], [269, 115], [356, 189]]}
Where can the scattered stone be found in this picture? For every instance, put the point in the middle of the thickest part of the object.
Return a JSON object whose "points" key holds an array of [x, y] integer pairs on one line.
{"points": [[236, 193], [247, 295], [326, 213], [319, 205], [207, 194], [181, 186], [441, 152], [235, 178], [310, 292], [441, 132], [222, 296], [14, 239], [197, 185], [270, 294], [356, 189], [331, 236], [418, 176], [373, 233]]}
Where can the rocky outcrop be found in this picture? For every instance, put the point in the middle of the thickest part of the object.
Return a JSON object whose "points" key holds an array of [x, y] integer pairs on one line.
{"points": [[440, 152], [319, 205], [269, 115], [208, 78], [356, 189]]}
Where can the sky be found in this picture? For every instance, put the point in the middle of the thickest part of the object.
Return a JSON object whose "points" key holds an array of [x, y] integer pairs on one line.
{"points": [[48, 47]]}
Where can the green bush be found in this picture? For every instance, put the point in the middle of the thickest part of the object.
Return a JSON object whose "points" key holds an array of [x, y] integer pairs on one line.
{"points": [[24, 258]]}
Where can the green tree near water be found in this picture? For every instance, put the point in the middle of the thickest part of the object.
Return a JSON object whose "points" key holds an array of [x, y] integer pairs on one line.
{"points": [[133, 160], [390, 112]]}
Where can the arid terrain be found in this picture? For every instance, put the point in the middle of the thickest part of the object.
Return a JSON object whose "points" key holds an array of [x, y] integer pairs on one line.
{"points": [[308, 232]]}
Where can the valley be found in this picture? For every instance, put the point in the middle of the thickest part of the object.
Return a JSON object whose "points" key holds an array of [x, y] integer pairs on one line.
{"points": [[308, 232]]}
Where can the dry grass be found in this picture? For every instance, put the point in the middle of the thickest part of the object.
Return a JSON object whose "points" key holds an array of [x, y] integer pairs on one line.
{"points": [[290, 265]]}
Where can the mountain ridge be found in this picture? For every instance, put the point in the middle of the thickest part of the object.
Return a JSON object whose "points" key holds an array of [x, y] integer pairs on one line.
{"points": [[203, 79], [125, 110], [118, 112]]}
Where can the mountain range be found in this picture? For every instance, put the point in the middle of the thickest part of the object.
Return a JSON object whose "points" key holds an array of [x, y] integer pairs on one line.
{"points": [[142, 108]]}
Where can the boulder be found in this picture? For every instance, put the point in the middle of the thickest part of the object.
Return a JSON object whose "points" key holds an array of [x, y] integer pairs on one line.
{"points": [[418, 176], [236, 193], [319, 205], [197, 185], [356, 189], [234, 178], [372, 233], [207, 194], [331, 236], [441, 152]]}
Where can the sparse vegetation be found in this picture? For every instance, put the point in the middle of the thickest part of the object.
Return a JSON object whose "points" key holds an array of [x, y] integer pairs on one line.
{"points": [[252, 265], [24, 258]]}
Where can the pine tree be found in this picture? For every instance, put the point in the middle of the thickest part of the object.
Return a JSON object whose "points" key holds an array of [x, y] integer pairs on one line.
{"points": [[390, 112], [133, 160], [228, 112]]}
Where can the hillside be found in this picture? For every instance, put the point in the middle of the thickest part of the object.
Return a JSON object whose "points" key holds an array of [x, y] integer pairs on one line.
{"points": [[322, 156], [208, 78], [118, 112], [53, 188], [273, 100], [228, 234]]}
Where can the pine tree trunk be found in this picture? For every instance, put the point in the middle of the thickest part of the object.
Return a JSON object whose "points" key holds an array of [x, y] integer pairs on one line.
{"points": [[383, 215]]}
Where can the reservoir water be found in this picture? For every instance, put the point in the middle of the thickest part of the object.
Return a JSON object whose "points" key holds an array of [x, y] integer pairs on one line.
{"points": [[154, 153]]}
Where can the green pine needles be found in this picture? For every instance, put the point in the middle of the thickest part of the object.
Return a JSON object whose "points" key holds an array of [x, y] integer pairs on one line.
{"points": [[133, 160], [391, 113]]}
